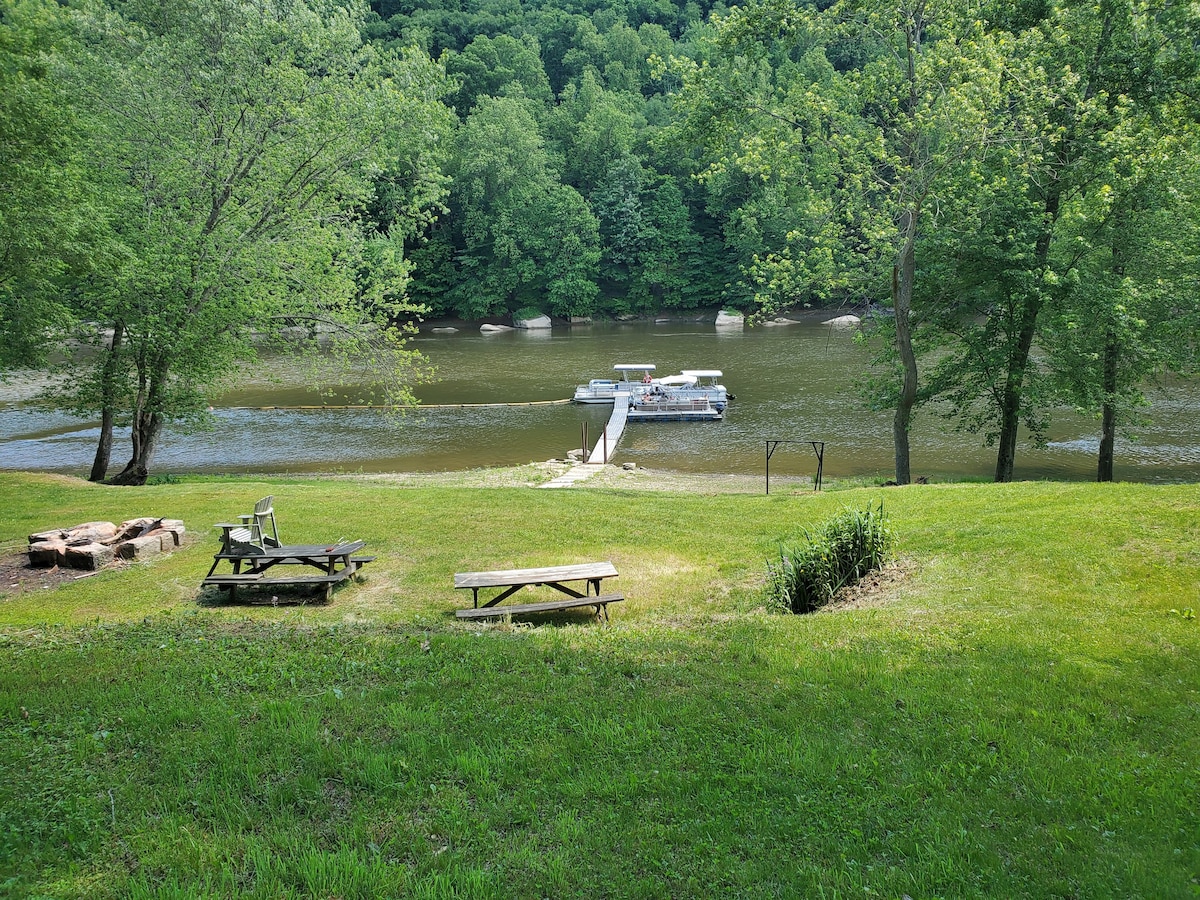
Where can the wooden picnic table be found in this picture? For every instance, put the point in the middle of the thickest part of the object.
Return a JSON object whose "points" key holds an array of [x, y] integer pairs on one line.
{"points": [[512, 580], [334, 563]]}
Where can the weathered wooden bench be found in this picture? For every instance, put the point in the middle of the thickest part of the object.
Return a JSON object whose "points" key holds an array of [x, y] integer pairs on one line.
{"points": [[600, 602], [512, 580]]}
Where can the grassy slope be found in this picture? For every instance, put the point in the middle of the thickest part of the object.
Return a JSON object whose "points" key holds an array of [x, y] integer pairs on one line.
{"points": [[1020, 717]]}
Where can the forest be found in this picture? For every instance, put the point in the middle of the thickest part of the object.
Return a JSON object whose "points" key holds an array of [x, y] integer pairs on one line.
{"points": [[1009, 188]]}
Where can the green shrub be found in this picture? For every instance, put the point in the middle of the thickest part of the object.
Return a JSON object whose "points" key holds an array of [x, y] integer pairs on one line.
{"points": [[850, 545], [526, 312]]}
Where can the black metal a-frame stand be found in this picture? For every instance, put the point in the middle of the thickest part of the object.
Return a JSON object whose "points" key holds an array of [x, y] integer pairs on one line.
{"points": [[818, 449]]}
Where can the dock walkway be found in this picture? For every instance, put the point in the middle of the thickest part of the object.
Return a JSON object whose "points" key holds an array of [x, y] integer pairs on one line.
{"points": [[607, 445], [604, 449]]}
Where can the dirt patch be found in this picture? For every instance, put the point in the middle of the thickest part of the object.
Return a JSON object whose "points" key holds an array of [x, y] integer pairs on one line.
{"points": [[529, 475], [18, 577], [875, 589]]}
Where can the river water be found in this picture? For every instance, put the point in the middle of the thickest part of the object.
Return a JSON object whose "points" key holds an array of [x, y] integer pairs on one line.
{"points": [[794, 383]]}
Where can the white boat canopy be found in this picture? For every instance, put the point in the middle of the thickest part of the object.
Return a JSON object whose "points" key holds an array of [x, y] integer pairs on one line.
{"points": [[622, 367], [703, 373], [683, 380]]}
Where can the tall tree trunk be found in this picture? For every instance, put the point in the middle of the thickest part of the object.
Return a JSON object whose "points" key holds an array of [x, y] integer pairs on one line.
{"points": [[1013, 391], [1108, 377], [108, 402], [903, 274], [1108, 407], [147, 422], [147, 426], [1108, 415], [1018, 360]]}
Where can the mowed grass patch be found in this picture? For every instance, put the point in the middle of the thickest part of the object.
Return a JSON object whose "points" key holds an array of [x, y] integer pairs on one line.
{"points": [[1018, 717]]}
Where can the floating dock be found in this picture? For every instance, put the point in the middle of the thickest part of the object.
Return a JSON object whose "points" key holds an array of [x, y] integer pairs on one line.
{"points": [[667, 409], [664, 409]]}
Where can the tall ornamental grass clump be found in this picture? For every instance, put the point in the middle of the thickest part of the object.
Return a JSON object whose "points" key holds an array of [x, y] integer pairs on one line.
{"points": [[850, 545]]}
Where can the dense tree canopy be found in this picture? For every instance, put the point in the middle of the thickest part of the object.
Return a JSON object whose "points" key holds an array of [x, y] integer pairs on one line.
{"points": [[1100, 115], [1010, 187], [262, 167], [49, 213], [1004, 177]]}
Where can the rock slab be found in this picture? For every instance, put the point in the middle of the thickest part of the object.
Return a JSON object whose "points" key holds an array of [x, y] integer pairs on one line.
{"points": [[141, 547], [89, 556], [843, 322], [534, 323], [48, 553], [94, 545], [726, 318]]}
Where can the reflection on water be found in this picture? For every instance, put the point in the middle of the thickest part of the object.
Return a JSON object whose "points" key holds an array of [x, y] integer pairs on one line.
{"points": [[795, 383]]}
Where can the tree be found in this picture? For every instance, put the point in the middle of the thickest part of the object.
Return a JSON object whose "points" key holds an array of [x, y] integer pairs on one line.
{"points": [[50, 221], [1082, 80], [242, 142], [617, 204], [526, 238], [595, 130], [491, 67], [858, 150], [1128, 318], [647, 236]]}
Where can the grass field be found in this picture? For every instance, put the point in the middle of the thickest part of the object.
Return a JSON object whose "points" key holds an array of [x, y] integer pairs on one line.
{"points": [[1015, 712]]}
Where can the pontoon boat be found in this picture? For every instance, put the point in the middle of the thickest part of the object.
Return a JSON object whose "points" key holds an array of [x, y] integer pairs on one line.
{"points": [[601, 390]]}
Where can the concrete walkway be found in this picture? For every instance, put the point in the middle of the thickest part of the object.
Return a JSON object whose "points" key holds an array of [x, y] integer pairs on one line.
{"points": [[574, 475]]}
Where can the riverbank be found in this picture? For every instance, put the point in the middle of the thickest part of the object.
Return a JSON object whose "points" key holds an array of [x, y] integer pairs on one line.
{"points": [[700, 316], [610, 476], [1014, 713]]}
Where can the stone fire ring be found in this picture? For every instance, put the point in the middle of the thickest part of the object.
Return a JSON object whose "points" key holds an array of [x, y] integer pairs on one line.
{"points": [[94, 545]]}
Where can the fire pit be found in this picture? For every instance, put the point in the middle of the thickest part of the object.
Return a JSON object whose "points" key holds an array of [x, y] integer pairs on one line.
{"points": [[93, 545]]}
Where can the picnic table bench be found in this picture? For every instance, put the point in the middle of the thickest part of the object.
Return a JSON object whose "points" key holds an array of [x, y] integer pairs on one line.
{"points": [[334, 563], [512, 580]]}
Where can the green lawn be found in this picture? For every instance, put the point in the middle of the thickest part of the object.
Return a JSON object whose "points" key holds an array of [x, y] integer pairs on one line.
{"points": [[1018, 716]]}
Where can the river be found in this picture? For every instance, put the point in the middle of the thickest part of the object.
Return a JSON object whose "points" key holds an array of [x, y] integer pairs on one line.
{"points": [[797, 383]]}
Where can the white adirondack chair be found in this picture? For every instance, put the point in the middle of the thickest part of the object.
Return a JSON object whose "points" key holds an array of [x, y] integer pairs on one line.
{"points": [[251, 536]]}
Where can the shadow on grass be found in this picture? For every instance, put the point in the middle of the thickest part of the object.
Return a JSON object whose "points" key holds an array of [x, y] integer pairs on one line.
{"points": [[580, 616], [264, 595]]}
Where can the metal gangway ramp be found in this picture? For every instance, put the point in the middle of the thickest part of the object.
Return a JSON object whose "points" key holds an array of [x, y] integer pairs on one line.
{"points": [[611, 436]]}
